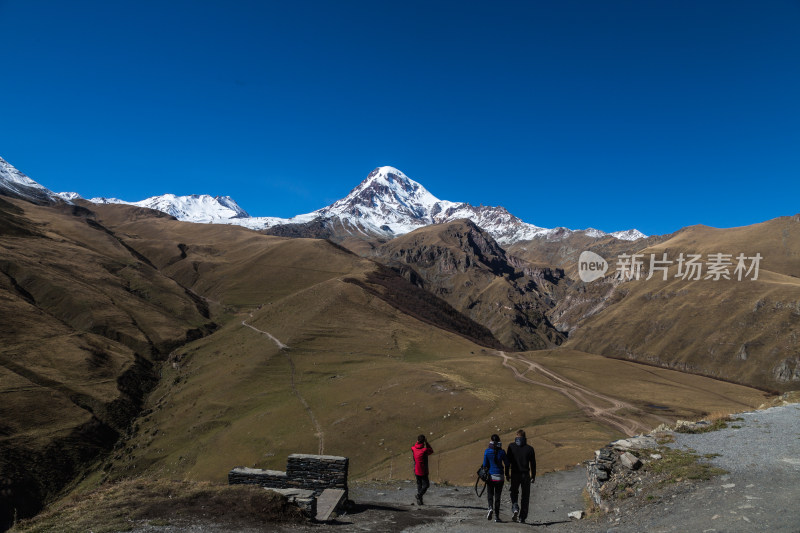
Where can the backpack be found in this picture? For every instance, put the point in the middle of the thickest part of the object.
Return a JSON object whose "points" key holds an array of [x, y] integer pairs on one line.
{"points": [[483, 475]]}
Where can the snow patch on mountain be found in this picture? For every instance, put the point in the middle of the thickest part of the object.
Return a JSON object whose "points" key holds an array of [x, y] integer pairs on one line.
{"points": [[386, 198], [628, 235], [200, 208], [15, 183], [69, 196], [389, 203]]}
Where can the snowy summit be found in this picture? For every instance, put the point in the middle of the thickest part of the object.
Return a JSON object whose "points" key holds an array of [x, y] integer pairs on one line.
{"points": [[200, 208], [16, 184], [386, 204]]}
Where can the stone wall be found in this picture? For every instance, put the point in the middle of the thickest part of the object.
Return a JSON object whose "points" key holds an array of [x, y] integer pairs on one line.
{"points": [[318, 472], [311, 472], [614, 460], [254, 476]]}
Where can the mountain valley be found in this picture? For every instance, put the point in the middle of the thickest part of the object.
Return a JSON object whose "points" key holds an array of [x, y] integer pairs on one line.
{"points": [[137, 345]]}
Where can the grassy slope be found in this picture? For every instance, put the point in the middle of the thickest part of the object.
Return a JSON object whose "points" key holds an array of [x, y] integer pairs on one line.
{"points": [[83, 319], [745, 331], [372, 376]]}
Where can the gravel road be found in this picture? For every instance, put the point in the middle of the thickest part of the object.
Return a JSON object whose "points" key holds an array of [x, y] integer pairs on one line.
{"points": [[760, 493]]}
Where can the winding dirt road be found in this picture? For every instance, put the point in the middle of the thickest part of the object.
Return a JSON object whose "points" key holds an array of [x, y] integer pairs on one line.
{"points": [[285, 351], [594, 404]]}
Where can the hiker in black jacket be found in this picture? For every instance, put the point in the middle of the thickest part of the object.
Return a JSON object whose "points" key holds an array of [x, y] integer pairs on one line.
{"points": [[520, 470]]}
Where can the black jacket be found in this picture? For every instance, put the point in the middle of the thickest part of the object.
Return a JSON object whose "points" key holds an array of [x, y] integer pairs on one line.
{"points": [[521, 459]]}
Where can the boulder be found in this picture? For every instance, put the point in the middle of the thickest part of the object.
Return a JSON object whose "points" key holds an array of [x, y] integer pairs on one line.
{"points": [[635, 443], [630, 461]]}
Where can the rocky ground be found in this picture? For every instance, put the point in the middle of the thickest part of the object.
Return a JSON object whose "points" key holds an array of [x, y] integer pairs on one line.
{"points": [[761, 453]]}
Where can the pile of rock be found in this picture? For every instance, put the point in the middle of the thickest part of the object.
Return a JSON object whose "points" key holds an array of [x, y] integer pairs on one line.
{"points": [[614, 463]]}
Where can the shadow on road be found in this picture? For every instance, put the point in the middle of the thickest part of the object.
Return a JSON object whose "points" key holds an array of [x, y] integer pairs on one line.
{"points": [[457, 507], [362, 507], [548, 523]]}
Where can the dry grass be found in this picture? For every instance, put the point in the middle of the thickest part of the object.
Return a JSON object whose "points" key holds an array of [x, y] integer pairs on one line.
{"points": [[82, 319], [662, 395], [591, 510], [122, 506], [713, 422], [679, 465], [734, 330]]}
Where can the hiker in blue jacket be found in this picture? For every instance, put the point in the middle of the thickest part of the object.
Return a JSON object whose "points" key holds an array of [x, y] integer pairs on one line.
{"points": [[495, 458]]}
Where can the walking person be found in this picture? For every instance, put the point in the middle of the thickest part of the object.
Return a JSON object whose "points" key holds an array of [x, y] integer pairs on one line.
{"points": [[495, 458], [521, 471], [421, 451]]}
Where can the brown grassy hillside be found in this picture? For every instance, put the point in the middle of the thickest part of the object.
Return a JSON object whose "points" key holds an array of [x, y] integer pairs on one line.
{"points": [[83, 320], [744, 331], [361, 375], [462, 264], [367, 391]]}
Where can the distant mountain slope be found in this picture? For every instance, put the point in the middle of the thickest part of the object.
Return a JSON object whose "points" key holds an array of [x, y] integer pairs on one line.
{"points": [[194, 208], [374, 357], [386, 204], [565, 251], [744, 331], [84, 320], [15, 184], [461, 263]]}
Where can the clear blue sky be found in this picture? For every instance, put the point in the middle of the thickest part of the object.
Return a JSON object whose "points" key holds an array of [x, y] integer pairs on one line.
{"points": [[615, 114]]}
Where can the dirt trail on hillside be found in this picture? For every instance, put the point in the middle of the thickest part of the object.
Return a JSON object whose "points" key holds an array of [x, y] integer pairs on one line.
{"points": [[285, 351], [273, 339], [594, 404]]}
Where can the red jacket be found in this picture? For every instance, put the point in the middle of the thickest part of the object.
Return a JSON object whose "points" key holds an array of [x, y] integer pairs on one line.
{"points": [[421, 453]]}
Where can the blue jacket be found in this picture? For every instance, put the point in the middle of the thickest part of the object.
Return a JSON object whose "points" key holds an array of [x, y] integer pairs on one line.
{"points": [[495, 467]]}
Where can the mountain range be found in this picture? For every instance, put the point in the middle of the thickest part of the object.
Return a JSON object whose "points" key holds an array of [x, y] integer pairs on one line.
{"points": [[134, 344], [385, 204]]}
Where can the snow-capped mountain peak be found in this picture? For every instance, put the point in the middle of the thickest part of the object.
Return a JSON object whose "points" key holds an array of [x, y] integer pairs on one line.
{"points": [[15, 183], [387, 203], [628, 235], [193, 208], [387, 197], [69, 196]]}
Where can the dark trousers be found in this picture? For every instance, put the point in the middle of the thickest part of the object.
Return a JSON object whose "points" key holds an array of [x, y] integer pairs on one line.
{"points": [[422, 485], [493, 491], [525, 482]]}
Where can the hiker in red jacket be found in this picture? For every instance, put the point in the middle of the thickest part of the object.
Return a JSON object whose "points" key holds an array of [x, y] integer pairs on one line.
{"points": [[421, 451]]}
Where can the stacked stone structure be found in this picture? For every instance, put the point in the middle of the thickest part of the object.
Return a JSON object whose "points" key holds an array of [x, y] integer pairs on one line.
{"points": [[313, 473]]}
